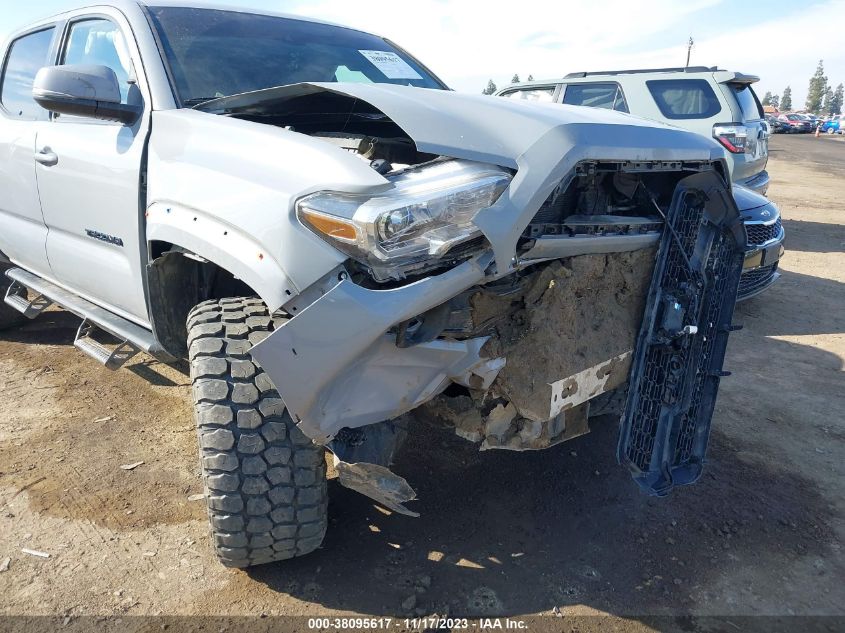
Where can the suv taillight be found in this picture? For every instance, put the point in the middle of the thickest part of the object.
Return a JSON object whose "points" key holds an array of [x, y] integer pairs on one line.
{"points": [[732, 136]]}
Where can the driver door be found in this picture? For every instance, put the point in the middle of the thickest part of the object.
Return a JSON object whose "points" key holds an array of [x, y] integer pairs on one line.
{"points": [[90, 190]]}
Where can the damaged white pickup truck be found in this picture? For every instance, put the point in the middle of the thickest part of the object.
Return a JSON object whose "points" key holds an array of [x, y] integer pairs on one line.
{"points": [[334, 239]]}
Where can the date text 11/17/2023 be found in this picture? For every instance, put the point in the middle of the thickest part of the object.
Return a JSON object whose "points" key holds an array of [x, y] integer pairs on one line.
{"points": [[421, 623]]}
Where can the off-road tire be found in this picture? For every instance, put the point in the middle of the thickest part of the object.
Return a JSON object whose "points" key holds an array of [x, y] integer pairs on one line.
{"points": [[265, 481], [9, 317]]}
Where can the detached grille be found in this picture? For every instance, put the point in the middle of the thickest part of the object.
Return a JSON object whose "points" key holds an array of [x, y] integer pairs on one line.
{"points": [[660, 382], [680, 349], [754, 280], [720, 259], [762, 233]]}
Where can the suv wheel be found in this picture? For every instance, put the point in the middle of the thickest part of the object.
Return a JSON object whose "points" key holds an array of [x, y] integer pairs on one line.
{"points": [[265, 481]]}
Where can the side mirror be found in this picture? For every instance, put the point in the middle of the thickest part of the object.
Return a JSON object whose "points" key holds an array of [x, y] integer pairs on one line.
{"points": [[83, 90]]}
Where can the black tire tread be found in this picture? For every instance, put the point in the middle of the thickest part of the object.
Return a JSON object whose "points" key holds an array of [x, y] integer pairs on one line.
{"points": [[265, 481]]}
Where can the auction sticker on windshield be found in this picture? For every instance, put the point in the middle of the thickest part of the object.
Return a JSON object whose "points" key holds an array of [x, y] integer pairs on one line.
{"points": [[391, 65]]}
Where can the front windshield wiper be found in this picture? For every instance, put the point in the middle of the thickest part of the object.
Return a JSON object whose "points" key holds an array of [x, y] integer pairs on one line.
{"points": [[190, 103]]}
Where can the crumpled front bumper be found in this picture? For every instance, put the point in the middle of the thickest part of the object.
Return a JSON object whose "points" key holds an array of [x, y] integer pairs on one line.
{"points": [[334, 365]]}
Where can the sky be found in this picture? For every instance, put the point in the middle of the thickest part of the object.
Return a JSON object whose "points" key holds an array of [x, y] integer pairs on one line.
{"points": [[467, 42]]}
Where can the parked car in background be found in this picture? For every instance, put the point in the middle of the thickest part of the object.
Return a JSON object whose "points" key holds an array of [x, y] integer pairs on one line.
{"points": [[716, 103], [797, 122], [834, 125], [765, 235], [776, 126], [632, 91], [813, 119]]}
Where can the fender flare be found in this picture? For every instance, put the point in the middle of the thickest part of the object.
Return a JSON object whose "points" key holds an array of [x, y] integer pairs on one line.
{"points": [[223, 245]]}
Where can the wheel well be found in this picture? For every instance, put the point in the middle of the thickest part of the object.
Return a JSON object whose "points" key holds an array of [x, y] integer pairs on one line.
{"points": [[177, 280]]}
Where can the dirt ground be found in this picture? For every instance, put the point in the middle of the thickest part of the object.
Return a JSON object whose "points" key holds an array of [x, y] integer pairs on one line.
{"points": [[501, 534]]}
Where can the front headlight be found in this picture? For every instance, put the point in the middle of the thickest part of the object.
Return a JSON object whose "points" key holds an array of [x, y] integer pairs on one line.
{"points": [[426, 212]]}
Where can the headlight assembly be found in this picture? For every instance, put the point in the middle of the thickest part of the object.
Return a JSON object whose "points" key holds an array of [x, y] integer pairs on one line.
{"points": [[427, 212]]}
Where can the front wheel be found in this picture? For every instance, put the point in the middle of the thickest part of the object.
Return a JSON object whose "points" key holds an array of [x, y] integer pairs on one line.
{"points": [[265, 481]]}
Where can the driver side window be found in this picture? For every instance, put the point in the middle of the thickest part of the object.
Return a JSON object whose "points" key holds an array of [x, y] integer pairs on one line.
{"points": [[100, 42]]}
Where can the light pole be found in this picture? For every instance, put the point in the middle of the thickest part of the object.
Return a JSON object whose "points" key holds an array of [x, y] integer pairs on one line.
{"points": [[689, 50]]}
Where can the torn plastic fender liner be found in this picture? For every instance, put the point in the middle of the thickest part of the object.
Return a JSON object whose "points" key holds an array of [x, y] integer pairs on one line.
{"points": [[681, 345], [378, 483], [362, 459], [335, 367]]}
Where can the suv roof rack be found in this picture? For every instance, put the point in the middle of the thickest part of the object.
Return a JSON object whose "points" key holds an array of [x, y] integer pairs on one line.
{"points": [[688, 69]]}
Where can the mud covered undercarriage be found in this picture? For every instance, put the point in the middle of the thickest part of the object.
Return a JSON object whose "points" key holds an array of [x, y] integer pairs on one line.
{"points": [[567, 335]]}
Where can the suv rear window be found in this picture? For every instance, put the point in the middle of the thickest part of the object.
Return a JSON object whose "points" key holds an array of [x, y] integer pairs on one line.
{"points": [[26, 57], [684, 98], [747, 101], [596, 95]]}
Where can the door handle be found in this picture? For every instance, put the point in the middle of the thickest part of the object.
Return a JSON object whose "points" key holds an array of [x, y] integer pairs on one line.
{"points": [[47, 157]]}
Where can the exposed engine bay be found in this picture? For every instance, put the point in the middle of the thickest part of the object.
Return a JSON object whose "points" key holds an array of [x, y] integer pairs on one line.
{"points": [[358, 128]]}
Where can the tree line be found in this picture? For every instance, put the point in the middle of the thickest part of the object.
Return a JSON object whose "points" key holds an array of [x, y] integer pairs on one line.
{"points": [[822, 98], [492, 88]]}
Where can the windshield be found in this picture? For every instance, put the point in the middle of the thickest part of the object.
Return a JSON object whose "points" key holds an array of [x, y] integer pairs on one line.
{"points": [[213, 53]]}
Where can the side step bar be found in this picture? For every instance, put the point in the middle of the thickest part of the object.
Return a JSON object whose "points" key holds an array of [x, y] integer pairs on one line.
{"points": [[133, 338], [113, 358], [16, 298]]}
